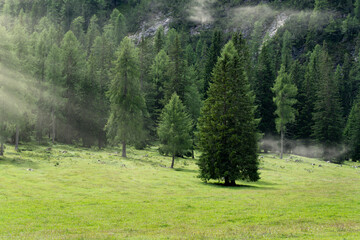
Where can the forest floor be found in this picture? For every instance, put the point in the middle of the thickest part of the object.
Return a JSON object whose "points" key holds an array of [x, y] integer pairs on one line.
{"points": [[78, 193]]}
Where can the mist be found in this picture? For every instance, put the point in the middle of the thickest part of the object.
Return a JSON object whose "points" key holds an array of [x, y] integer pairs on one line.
{"points": [[201, 11], [303, 148]]}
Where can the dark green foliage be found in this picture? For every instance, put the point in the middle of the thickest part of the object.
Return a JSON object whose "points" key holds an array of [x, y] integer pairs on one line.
{"points": [[174, 128], [308, 94], [73, 71], [265, 78], [352, 132], [212, 56], [328, 121], [159, 40], [227, 129], [343, 77], [177, 81]]}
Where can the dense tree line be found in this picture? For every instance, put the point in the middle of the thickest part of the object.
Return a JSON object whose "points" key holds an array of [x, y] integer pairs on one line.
{"points": [[94, 86]]}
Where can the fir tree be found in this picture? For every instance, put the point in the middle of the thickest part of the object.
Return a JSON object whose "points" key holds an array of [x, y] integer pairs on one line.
{"points": [[352, 132], [73, 67], [127, 103], [213, 54], [159, 40], [174, 128], [227, 128], [328, 122], [265, 78], [308, 93]]}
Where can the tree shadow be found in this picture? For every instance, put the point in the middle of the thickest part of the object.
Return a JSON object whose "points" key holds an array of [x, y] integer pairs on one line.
{"points": [[261, 185], [18, 162], [186, 170]]}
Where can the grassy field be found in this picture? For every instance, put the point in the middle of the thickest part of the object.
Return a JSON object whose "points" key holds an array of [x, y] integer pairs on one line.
{"points": [[76, 193]]}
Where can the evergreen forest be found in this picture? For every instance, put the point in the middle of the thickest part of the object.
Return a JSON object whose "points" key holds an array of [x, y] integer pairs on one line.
{"points": [[228, 78]]}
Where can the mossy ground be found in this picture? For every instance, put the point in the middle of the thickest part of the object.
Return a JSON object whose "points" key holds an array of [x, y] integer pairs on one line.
{"points": [[77, 193]]}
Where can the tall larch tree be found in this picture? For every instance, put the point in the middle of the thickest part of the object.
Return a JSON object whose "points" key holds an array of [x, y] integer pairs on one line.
{"points": [[285, 92], [127, 103], [227, 127]]}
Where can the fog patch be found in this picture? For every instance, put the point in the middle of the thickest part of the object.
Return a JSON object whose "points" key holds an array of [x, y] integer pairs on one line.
{"points": [[201, 11], [305, 148]]}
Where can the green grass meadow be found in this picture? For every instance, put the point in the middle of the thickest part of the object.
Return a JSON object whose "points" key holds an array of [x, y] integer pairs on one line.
{"points": [[77, 193]]}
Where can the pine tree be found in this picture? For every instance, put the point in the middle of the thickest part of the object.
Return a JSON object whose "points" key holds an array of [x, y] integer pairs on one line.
{"points": [[308, 93], [159, 40], [328, 122], [227, 128], [357, 9], [177, 70], [285, 92], [73, 67], [265, 77], [160, 74], [99, 64], [213, 54], [127, 103], [286, 56], [352, 132], [92, 33], [174, 128], [346, 91]]}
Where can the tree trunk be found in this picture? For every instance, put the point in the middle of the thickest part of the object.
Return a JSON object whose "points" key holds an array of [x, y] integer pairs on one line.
{"points": [[2, 149], [282, 144], [53, 125], [17, 138], [232, 183], [173, 160], [227, 181], [124, 149]]}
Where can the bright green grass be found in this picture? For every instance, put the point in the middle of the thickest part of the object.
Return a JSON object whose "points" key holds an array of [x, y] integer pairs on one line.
{"points": [[99, 195]]}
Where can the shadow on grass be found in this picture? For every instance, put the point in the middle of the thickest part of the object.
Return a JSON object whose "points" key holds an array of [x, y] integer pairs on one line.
{"points": [[186, 170], [18, 162], [261, 185]]}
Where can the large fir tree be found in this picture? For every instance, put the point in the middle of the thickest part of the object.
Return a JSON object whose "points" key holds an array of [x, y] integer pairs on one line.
{"points": [[227, 128]]}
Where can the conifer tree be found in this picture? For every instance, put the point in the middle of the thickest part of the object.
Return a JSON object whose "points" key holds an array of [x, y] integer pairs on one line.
{"points": [[345, 84], [99, 65], [160, 74], [212, 56], [265, 77], [174, 128], [308, 93], [92, 33], [73, 66], [286, 56], [328, 122], [285, 92], [177, 70], [227, 128], [127, 103], [159, 40], [352, 132]]}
